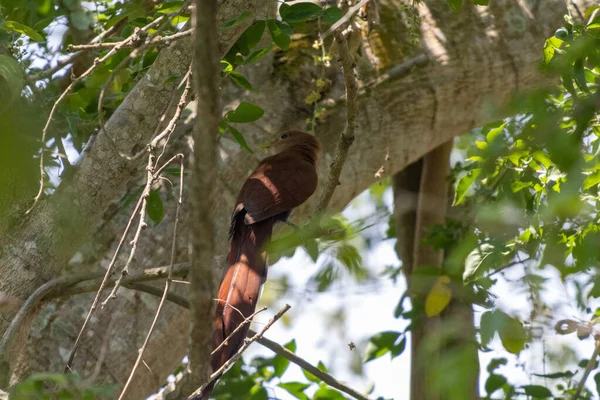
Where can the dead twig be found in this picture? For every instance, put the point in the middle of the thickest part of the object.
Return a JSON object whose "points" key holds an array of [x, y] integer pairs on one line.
{"points": [[167, 284], [344, 19], [237, 355], [347, 137], [160, 42], [244, 322]]}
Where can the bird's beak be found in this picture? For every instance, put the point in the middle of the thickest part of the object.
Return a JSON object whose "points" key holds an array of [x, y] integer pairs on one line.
{"points": [[265, 145]]}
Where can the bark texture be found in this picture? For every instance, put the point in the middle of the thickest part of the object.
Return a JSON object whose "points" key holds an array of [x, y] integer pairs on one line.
{"points": [[475, 59]]}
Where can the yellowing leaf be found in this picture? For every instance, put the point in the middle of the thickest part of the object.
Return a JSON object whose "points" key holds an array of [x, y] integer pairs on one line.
{"points": [[439, 297]]}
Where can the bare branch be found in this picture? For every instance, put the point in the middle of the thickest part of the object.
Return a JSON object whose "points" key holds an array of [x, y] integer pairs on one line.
{"points": [[102, 285], [244, 322], [347, 137], [237, 355], [64, 94], [160, 42], [167, 284], [588, 369], [344, 19], [305, 365]]}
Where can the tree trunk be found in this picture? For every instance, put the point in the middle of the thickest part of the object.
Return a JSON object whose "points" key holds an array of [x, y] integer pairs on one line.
{"points": [[466, 62]]}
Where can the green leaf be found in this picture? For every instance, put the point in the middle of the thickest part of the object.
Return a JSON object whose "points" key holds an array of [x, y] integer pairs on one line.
{"points": [[597, 380], [439, 297], [511, 332], [280, 38], [311, 377], [481, 2], [175, 171], [251, 37], [550, 46], [257, 55], [23, 30], [296, 389], [169, 7], [236, 21], [300, 12], [455, 5], [12, 74], [557, 375], [245, 112], [591, 180], [382, 343], [332, 15], [464, 184], [483, 258], [82, 20], [579, 75], [154, 206], [492, 134], [239, 138], [281, 364], [537, 391], [312, 248], [493, 383], [398, 348], [240, 80]]}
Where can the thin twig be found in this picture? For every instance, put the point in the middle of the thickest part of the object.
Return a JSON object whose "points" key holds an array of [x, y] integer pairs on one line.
{"points": [[141, 225], [53, 111], [588, 369], [244, 322], [167, 284], [271, 345], [152, 177], [183, 101], [344, 19], [102, 286], [347, 136], [237, 355], [305, 365], [103, 351], [130, 56], [63, 63], [159, 42]]}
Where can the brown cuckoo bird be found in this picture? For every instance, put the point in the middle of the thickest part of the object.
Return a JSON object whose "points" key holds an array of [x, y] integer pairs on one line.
{"points": [[279, 184]]}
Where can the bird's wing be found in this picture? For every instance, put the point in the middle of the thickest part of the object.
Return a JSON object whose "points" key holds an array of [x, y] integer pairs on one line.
{"points": [[277, 186]]}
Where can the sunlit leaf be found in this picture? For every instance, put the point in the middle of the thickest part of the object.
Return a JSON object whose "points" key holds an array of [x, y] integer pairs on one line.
{"points": [[439, 297], [464, 184], [383, 343], [23, 30]]}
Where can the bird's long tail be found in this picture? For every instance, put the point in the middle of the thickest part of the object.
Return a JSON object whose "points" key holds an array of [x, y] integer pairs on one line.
{"points": [[239, 289]]}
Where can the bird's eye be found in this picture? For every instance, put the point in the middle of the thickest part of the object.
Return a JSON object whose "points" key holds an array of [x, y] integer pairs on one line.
{"points": [[284, 136]]}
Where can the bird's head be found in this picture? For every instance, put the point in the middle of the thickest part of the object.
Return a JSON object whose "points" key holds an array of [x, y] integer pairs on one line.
{"points": [[291, 139]]}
